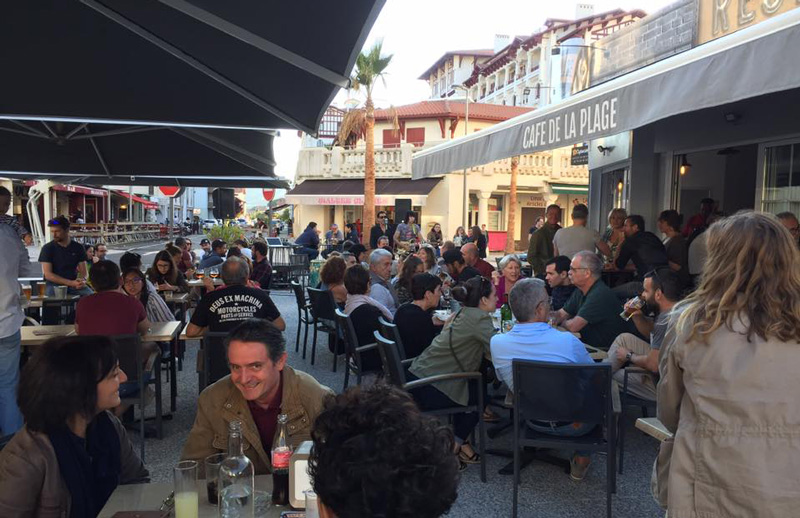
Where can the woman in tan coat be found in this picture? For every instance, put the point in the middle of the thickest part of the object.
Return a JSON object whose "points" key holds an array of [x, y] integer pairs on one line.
{"points": [[729, 379]]}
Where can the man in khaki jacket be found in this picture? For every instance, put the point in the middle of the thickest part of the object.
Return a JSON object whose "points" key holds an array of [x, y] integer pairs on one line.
{"points": [[260, 387]]}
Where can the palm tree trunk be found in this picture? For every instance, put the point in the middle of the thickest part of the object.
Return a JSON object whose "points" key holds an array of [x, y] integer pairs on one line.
{"points": [[512, 207], [369, 168]]}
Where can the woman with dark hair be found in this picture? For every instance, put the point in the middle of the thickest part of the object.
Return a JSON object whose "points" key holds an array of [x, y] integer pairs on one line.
{"points": [[133, 284], [462, 346], [89, 256], [669, 223], [72, 452], [435, 237], [402, 283], [479, 239], [460, 237], [332, 277], [364, 312], [399, 460], [428, 257], [165, 276]]}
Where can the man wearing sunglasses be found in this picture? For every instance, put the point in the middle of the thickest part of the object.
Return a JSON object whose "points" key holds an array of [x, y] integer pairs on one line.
{"points": [[64, 260]]}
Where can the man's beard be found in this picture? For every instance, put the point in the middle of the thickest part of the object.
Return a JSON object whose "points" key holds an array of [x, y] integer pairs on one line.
{"points": [[650, 308]]}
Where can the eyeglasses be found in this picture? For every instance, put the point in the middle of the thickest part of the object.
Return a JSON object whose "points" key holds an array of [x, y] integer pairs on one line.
{"points": [[135, 280]]}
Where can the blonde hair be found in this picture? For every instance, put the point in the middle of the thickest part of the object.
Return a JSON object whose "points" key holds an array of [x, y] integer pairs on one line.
{"points": [[617, 211], [752, 273]]}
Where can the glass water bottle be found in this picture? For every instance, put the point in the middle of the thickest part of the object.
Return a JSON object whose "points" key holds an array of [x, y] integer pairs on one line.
{"points": [[236, 478]]}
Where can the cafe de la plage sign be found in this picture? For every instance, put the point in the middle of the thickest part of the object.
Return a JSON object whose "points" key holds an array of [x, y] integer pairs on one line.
{"points": [[569, 126]]}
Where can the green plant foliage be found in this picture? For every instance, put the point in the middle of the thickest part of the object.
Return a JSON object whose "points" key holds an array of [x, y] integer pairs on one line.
{"points": [[228, 233]]}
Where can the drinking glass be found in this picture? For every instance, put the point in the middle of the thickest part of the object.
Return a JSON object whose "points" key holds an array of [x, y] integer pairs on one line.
{"points": [[186, 498], [42, 287], [262, 502], [26, 289], [212, 463]]}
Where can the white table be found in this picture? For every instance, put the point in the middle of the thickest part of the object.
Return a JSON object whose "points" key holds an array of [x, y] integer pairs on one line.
{"points": [[149, 497], [654, 428]]}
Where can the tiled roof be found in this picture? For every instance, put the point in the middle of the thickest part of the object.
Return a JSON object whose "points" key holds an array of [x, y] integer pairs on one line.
{"points": [[480, 52], [447, 108]]}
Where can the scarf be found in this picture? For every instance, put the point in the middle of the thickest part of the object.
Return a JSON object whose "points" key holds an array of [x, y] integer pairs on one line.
{"points": [[355, 301], [90, 467]]}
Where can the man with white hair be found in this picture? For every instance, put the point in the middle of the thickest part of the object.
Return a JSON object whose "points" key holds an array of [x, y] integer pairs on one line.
{"points": [[532, 338], [593, 309], [380, 272]]}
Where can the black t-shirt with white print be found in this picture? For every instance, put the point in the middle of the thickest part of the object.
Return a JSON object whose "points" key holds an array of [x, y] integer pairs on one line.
{"points": [[223, 309]]}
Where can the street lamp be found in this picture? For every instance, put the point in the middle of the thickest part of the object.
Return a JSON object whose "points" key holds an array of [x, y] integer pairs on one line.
{"points": [[466, 129]]}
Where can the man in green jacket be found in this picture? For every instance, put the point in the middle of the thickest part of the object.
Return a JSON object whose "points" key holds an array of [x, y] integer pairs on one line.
{"points": [[540, 249], [260, 387]]}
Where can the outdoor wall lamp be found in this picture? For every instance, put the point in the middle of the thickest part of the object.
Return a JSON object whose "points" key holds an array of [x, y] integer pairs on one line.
{"points": [[605, 150], [685, 166], [732, 117]]}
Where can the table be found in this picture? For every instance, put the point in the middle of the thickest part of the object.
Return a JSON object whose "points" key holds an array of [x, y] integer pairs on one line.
{"points": [[654, 428], [198, 283], [148, 497], [38, 302], [173, 300]]}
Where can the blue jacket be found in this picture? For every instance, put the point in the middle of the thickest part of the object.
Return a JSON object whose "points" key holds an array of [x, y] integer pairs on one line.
{"points": [[308, 238]]}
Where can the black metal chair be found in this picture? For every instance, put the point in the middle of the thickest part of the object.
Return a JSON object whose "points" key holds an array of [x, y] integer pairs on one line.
{"points": [[281, 265], [131, 361], [323, 311], [303, 316], [214, 359], [629, 400], [390, 332], [300, 268], [394, 372], [352, 348], [561, 392]]}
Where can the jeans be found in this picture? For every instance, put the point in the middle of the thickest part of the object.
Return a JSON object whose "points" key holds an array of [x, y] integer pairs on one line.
{"points": [[567, 430], [10, 416], [428, 397], [310, 252], [52, 316]]}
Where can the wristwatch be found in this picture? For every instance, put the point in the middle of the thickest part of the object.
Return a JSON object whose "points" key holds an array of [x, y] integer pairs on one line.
{"points": [[628, 357]]}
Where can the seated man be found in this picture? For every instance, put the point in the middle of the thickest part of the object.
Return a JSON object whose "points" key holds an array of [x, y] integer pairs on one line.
{"points": [[593, 310], [415, 321], [262, 270], [109, 311], [376, 454], [223, 309], [532, 338], [380, 273], [662, 290], [309, 241], [259, 388], [473, 259], [457, 267], [219, 250], [556, 273]]}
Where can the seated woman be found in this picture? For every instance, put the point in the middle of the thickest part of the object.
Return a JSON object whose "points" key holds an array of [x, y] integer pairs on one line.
{"points": [[165, 276], [364, 312], [402, 283], [133, 284], [376, 454], [415, 321], [462, 346], [670, 223], [504, 279], [72, 453], [435, 237], [428, 257], [332, 276]]}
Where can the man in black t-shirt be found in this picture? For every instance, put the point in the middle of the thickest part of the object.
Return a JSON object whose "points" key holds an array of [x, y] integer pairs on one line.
{"points": [[415, 321], [223, 309], [643, 248], [64, 260]]}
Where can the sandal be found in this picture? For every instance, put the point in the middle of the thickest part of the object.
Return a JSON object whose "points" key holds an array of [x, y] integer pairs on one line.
{"points": [[490, 417], [475, 458], [461, 466]]}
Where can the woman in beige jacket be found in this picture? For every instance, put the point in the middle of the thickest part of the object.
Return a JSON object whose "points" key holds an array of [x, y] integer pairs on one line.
{"points": [[72, 453], [729, 379]]}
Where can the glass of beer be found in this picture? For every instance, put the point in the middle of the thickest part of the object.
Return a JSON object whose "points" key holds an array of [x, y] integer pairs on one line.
{"points": [[26, 289], [199, 274], [635, 303], [42, 288], [214, 273]]}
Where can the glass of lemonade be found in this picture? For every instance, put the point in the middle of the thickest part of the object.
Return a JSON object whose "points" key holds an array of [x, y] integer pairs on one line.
{"points": [[186, 497]]}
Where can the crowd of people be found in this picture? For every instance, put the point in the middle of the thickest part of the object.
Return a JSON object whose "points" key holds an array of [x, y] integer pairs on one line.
{"points": [[713, 346]]}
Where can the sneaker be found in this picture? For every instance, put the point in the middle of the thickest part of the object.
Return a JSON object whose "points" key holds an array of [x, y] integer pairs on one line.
{"points": [[578, 468]]}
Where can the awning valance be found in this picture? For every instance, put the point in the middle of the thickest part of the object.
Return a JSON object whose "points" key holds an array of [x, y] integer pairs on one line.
{"points": [[759, 60], [567, 188], [138, 199], [351, 191]]}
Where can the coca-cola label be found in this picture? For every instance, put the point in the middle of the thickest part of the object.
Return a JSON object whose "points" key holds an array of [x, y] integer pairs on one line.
{"points": [[280, 458]]}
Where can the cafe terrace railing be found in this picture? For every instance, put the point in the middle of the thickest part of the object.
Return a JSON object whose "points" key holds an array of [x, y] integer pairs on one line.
{"points": [[113, 233]]}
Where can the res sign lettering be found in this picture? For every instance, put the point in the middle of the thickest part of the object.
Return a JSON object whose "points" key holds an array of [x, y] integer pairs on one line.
{"points": [[719, 18]]}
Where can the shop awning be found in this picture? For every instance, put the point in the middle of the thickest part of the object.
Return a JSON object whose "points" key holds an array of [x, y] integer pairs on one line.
{"points": [[759, 60], [567, 188], [77, 189], [351, 191], [138, 199]]}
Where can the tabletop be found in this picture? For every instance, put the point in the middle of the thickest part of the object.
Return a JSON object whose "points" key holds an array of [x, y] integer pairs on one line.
{"points": [[148, 497], [198, 283], [38, 335], [37, 302], [177, 298], [654, 428]]}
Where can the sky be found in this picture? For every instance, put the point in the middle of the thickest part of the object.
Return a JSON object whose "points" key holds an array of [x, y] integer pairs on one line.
{"points": [[418, 32]]}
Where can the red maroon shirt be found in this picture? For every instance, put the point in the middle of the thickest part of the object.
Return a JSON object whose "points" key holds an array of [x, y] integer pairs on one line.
{"points": [[266, 419], [109, 313]]}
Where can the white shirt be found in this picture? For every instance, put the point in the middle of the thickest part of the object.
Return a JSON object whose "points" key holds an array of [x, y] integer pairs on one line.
{"points": [[15, 264], [382, 295], [574, 239]]}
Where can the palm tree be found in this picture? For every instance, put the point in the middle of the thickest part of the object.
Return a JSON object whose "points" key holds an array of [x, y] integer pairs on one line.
{"points": [[512, 206], [370, 66]]}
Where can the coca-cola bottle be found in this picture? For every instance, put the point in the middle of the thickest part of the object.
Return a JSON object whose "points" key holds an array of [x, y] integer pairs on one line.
{"points": [[281, 453], [236, 478]]}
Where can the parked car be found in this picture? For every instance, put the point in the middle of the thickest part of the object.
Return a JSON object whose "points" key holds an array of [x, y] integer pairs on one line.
{"points": [[208, 223], [241, 222]]}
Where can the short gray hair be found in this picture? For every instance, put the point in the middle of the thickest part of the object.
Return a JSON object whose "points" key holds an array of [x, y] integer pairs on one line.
{"points": [[592, 262], [235, 271], [525, 297], [508, 259], [377, 254]]}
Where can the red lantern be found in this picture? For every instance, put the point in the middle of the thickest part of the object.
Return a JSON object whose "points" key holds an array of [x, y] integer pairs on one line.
{"points": [[269, 194], [170, 191]]}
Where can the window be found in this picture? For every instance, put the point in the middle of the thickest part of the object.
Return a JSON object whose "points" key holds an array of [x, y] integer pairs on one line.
{"points": [[781, 178], [415, 136], [391, 138]]}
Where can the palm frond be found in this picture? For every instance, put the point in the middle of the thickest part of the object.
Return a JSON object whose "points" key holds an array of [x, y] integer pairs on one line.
{"points": [[370, 65], [352, 128]]}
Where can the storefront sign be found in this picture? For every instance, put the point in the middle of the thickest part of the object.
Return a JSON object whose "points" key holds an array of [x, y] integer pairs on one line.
{"points": [[580, 155], [351, 200], [537, 202], [719, 18], [582, 122]]}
